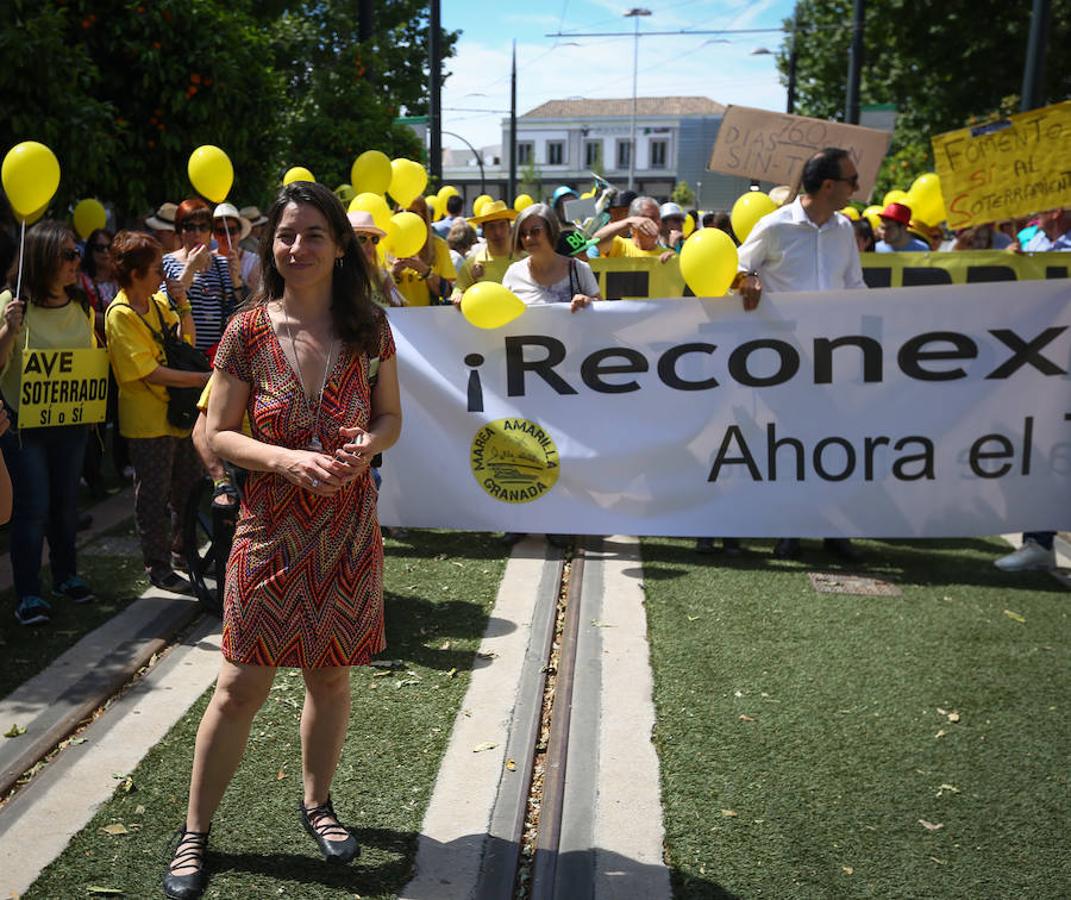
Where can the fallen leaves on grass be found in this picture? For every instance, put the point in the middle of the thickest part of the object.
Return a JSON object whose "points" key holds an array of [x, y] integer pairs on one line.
{"points": [[941, 733], [15, 730], [746, 718], [280, 775], [930, 826], [101, 891], [951, 715], [486, 745], [1015, 617], [947, 789], [847, 870], [115, 829], [729, 813]]}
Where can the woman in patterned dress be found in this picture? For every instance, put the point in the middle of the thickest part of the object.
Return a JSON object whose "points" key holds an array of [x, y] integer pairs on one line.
{"points": [[304, 580]]}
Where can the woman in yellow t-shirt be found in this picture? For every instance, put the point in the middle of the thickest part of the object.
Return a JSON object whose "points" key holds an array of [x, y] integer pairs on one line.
{"points": [[166, 467], [45, 462], [427, 277]]}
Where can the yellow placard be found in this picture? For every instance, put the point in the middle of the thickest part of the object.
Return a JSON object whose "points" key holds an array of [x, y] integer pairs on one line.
{"points": [[1014, 167], [964, 267], [63, 387], [637, 277]]}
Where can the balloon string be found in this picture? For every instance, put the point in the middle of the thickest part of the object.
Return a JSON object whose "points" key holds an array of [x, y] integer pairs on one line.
{"points": [[22, 252]]}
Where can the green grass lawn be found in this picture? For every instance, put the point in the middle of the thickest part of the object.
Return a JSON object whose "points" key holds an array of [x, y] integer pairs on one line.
{"points": [[440, 588], [820, 745], [117, 580]]}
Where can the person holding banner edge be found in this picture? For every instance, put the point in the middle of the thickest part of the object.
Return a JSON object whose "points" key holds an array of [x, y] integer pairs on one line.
{"points": [[806, 245], [45, 462]]}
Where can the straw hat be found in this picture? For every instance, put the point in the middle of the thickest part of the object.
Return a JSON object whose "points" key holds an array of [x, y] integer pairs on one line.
{"points": [[495, 211], [230, 211], [164, 218], [780, 194], [362, 221], [255, 216]]}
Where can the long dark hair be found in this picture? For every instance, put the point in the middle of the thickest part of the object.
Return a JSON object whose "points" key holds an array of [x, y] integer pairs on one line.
{"points": [[356, 317], [89, 263], [41, 261]]}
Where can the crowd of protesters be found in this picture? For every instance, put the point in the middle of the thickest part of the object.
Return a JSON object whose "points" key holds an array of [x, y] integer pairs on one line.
{"points": [[190, 266]]}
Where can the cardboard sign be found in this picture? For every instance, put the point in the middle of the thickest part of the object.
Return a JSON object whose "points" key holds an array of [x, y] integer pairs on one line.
{"points": [[757, 143], [1014, 167], [63, 387]]}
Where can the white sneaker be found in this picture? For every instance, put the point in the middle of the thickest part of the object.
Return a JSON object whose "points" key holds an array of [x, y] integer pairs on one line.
{"points": [[1030, 556]]}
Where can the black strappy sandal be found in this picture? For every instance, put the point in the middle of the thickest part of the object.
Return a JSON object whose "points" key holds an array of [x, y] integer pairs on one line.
{"points": [[334, 851], [190, 850]]}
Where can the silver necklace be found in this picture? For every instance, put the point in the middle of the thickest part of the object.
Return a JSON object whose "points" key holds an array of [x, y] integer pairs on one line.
{"points": [[315, 443]]}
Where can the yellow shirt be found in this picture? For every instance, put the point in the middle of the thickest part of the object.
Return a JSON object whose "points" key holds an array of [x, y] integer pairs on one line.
{"points": [[627, 247], [67, 327], [202, 405], [135, 353], [414, 288], [494, 267]]}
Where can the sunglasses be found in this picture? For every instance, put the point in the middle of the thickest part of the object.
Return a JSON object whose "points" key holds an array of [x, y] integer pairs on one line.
{"points": [[196, 226], [365, 238], [102, 248], [233, 232], [853, 181], [531, 232], [70, 255]]}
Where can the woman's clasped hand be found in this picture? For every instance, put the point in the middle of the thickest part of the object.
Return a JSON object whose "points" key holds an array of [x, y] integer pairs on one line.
{"points": [[325, 474]]}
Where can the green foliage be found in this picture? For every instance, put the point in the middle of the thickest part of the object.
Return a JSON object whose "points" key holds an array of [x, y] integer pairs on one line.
{"points": [[124, 90], [941, 65], [683, 194]]}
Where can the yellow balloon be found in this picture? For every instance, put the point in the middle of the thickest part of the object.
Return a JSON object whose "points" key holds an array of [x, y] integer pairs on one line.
{"points": [[407, 182], [447, 190], [873, 215], [588, 195], [30, 174], [371, 172], [345, 193], [479, 203], [895, 196], [432, 200], [298, 173], [851, 212], [708, 262], [689, 226], [211, 172], [407, 234], [747, 210], [926, 200], [374, 204], [36, 215], [89, 215], [487, 304], [522, 202]]}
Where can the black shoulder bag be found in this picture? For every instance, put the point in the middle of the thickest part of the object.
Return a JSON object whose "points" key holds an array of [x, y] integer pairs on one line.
{"points": [[181, 401]]}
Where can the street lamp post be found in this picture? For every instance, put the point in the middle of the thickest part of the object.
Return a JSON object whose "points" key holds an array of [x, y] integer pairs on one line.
{"points": [[634, 14]]}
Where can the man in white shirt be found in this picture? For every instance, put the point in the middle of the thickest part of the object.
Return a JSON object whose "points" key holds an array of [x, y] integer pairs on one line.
{"points": [[806, 246]]}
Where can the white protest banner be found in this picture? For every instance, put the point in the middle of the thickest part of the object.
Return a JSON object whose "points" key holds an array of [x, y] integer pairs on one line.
{"points": [[771, 146], [905, 412]]}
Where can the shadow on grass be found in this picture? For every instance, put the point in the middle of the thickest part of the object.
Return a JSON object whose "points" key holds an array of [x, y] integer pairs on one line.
{"points": [[922, 562]]}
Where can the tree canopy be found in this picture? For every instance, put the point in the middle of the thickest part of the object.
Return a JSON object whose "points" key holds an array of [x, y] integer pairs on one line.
{"points": [[943, 65], [123, 90]]}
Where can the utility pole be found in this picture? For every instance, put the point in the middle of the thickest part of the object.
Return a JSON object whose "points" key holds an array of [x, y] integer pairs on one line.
{"points": [[435, 45], [793, 55], [1034, 70], [855, 64], [513, 129], [635, 13]]}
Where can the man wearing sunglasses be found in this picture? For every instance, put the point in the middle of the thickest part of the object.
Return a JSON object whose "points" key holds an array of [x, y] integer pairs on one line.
{"points": [[806, 245]]}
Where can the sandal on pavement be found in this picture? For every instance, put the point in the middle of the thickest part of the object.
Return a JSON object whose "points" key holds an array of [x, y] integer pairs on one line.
{"points": [[322, 823], [189, 855]]}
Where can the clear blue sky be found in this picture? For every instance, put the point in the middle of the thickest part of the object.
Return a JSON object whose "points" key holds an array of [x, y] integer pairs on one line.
{"points": [[723, 68]]}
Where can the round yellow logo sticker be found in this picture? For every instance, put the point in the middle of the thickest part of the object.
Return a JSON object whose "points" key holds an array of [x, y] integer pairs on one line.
{"points": [[514, 460]]}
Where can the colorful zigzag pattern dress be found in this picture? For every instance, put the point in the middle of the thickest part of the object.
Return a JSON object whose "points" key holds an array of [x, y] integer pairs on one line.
{"points": [[304, 584]]}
